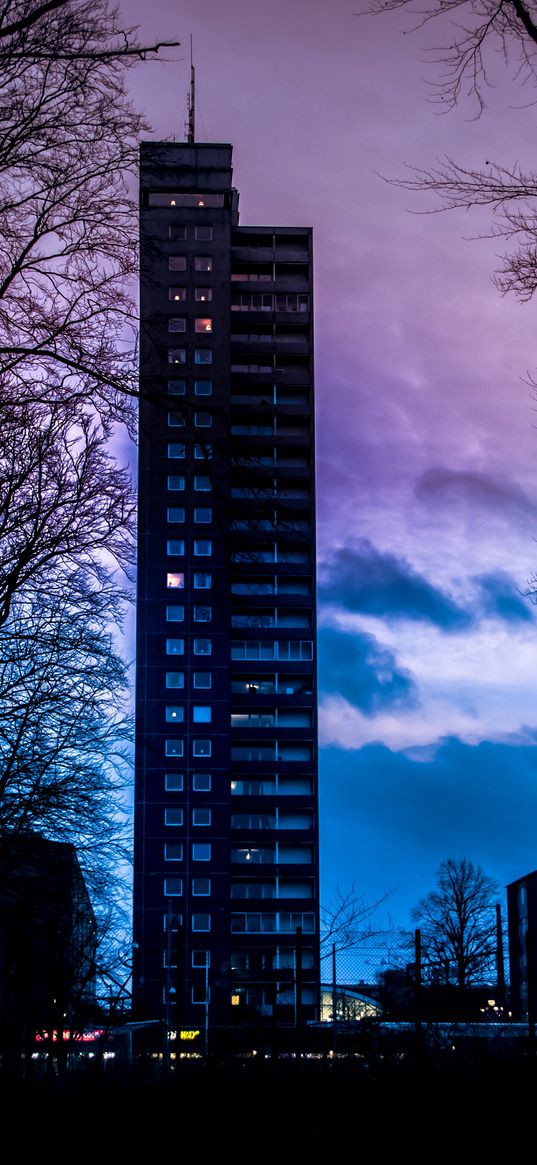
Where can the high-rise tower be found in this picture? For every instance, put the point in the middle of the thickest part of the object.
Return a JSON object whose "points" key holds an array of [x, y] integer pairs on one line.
{"points": [[226, 831]]}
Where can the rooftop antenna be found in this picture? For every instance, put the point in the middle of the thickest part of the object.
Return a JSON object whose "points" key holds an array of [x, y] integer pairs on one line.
{"points": [[191, 102]]}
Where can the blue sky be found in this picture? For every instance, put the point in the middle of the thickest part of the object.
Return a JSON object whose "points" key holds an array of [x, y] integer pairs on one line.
{"points": [[427, 446]]}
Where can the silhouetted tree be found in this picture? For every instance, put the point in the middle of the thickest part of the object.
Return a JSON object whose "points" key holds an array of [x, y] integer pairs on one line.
{"points": [[458, 925]]}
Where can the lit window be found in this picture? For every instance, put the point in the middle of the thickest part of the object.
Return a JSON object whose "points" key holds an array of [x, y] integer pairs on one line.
{"points": [[175, 647], [203, 388], [201, 782], [203, 294], [174, 748], [177, 325], [202, 356], [201, 922], [203, 646], [200, 817], [202, 482], [176, 513], [175, 546], [175, 614], [199, 747], [177, 356], [177, 294], [173, 816], [173, 850], [203, 234], [202, 263], [175, 713], [176, 481], [202, 614], [201, 958], [203, 514], [203, 547], [174, 783], [201, 887], [176, 421], [201, 851], [203, 324], [175, 679], [173, 887], [202, 580], [177, 263], [203, 679], [173, 579], [176, 387], [177, 450], [203, 420], [202, 714], [203, 452]]}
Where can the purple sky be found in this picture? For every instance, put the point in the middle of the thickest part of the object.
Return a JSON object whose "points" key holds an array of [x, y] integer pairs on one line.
{"points": [[427, 446]]}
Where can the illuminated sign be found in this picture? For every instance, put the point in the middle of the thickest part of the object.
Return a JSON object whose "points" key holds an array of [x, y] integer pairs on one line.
{"points": [[189, 1034], [78, 1037]]}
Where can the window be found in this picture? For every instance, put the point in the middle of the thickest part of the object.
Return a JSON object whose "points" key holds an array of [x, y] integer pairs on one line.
{"points": [[176, 481], [201, 356], [202, 646], [200, 993], [175, 679], [173, 816], [202, 482], [177, 262], [201, 922], [199, 747], [176, 421], [201, 958], [177, 324], [201, 886], [176, 513], [177, 356], [203, 452], [175, 546], [174, 748], [177, 449], [173, 851], [201, 816], [174, 232], [202, 714], [203, 294], [203, 679], [201, 782], [203, 547], [175, 614], [203, 234], [202, 263], [202, 580], [177, 294], [173, 579], [176, 387], [203, 514], [175, 714], [201, 851], [203, 614], [173, 783], [203, 420], [173, 887], [203, 388], [175, 647], [203, 324]]}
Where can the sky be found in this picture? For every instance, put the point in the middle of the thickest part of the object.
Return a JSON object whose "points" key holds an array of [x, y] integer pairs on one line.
{"points": [[426, 425]]}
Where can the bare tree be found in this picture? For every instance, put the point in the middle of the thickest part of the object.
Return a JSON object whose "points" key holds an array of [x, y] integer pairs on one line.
{"points": [[346, 920], [458, 925]]}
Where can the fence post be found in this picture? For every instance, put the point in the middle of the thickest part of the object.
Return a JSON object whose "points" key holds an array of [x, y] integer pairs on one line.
{"points": [[418, 988], [334, 997]]}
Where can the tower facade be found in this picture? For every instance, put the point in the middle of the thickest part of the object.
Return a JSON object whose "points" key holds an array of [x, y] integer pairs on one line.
{"points": [[226, 831]]}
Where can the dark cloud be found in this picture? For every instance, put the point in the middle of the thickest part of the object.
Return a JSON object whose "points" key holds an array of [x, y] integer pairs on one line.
{"points": [[363, 671], [364, 580], [441, 484], [500, 597], [389, 820]]}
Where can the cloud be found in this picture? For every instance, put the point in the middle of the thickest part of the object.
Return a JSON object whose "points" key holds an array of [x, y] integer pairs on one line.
{"points": [[363, 671], [501, 598], [365, 580], [440, 484]]}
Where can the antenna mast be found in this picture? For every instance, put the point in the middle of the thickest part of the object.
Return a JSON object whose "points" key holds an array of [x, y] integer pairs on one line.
{"points": [[191, 102]]}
